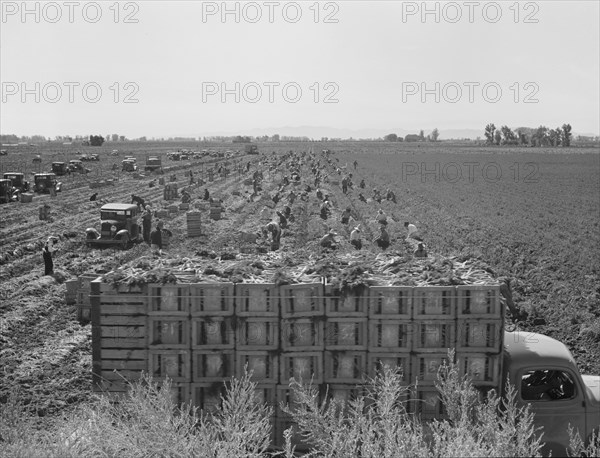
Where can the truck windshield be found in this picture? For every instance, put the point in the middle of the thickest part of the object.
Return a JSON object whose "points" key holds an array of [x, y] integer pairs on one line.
{"points": [[114, 214], [547, 385]]}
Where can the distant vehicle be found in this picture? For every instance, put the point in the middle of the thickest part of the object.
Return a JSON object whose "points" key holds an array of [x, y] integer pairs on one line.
{"points": [[76, 166], [251, 149], [37, 159], [90, 157], [5, 191], [118, 226], [184, 156], [174, 156], [129, 166], [114, 152], [18, 181], [3, 152], [60, 168], [45, 182], [153, 164], [130, 158]]}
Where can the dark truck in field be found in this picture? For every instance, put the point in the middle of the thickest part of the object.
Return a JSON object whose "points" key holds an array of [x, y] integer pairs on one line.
{"points": [[118, 227], [60, 168], [153, 164], [19, 184], [5, 191], [46, 183]]}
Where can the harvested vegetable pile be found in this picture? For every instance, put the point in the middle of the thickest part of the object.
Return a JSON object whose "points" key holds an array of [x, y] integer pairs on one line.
{"points": [[344, 271]]}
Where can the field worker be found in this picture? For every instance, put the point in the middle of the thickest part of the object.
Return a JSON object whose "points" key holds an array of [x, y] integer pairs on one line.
{"points": [[412, 232], [191, 177], [47, 253], [420, 251], [376, 196], [156, 239], [291, 197], [346, 215], [93, 197], [319, 194], [355, 164], [355, 240], [185, 197], [362, 183], [389, 195], [206, 194], [381, 217], [138, 201], [362, 198], [146, 223], [383, 241], [345, 185], [328, 240], [283, 222], [325, 209], [275, 231]]}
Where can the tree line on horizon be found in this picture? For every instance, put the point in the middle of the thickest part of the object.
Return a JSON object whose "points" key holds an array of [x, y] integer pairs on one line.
{"points": [[525, 136]]}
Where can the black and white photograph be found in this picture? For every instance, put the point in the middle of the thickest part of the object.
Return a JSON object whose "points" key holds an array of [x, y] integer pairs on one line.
{"points": [[353, 228]]}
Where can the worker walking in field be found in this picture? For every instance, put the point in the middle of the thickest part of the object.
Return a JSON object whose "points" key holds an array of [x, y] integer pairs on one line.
{"points": [[355, 164], [355, 240], [206, 195], [156, 239], [325, 209], [146, 224], [328, 240], [283, 222], [48, 253], [346, 215]]}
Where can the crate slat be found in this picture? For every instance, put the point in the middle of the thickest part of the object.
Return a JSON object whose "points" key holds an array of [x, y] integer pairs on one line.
{"points": [[213, 332], [393, 302], [211, 366], [346, 334], [302, 334], [264, 365], [390, 335], [431, 302], [345, 366], [174, 364], [302, 300]]}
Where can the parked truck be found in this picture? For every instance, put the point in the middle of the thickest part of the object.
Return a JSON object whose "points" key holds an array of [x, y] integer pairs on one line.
{"points": [[251, 149], [153, 164], [19, 184], [118, 226], [46, 183]]}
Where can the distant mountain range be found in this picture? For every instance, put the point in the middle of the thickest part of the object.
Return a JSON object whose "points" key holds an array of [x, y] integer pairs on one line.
{"points": [[317, 132]]}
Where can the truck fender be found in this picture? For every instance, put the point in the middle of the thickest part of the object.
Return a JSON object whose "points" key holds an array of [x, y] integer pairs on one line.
{"points": [[121, 233], [91, 234]]}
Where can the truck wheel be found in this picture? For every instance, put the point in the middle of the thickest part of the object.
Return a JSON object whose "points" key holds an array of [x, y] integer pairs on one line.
{"points": [[125, 242]]}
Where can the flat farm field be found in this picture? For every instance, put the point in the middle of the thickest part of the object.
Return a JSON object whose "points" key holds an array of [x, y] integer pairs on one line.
{"points": [[532, 215]]}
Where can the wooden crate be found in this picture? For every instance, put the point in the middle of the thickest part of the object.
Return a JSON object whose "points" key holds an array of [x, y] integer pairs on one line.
{"points": [[288, 397], [302, 334], [433, 302], [427, 404], [305, 366], [174, 364], [345, 305], [212, 299], [212, 366], [207, 396], [213, 332], [345, 366], [375, 362], [168, 300], [72, 286], [390, 335], [343, 394], [479, 302], [302, 300], [393, 302], [424, 367], [479, 335], [171, 333], [481, 368], [264, 365], [254, 333], [434, 335], [266, 393], [346, 334], [259, 299]]}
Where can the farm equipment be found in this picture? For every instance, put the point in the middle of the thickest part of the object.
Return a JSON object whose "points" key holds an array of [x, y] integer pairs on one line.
{"points": [[18, 181], [5, 191], [90, 157], [76, 166], [174, 156], [46, 183], [60, 168], [129, 166], [118, 226], [153, 164]]}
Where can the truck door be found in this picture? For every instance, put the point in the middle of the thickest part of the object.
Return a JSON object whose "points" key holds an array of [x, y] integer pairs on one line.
{"points": [[557, 400]]}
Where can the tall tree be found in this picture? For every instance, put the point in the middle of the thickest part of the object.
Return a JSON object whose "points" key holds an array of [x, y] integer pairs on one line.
{"points": [[422, 134], [566, 137], [391, 138], [435, 133], [489, 133], [508, 136], [497, 137]]}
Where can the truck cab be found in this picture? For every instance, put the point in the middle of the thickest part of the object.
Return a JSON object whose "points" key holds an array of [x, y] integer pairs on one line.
{"points": [[76, 166], [18, 181], [153, 164], [5, 191], [60, 168], [546, 377]]}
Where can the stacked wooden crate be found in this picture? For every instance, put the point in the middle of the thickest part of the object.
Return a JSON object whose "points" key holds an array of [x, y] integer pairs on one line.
{"points": [[169, 354], [84, 308], [119, 336], [215, 209], [213, 342], [257, 336], [194, 226]]}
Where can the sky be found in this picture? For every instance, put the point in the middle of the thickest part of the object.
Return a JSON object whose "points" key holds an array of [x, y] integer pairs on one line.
{"points": [[190, 68]]}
